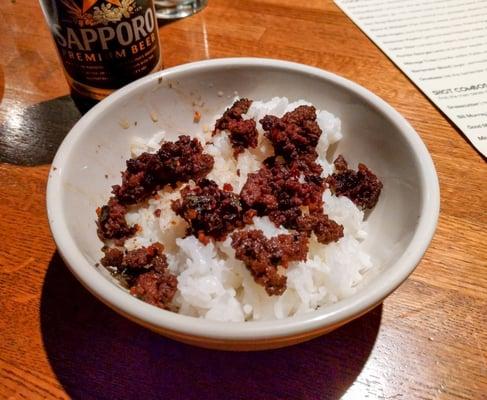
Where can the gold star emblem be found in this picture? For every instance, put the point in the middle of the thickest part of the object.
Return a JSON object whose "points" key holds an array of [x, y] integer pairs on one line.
{"points": [[87, 4]]}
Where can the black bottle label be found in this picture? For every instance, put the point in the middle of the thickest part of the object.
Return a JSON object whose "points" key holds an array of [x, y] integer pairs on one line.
{"points": [[105, 43]]}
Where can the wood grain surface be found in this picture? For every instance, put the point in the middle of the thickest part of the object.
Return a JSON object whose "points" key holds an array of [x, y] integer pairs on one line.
{"points": [[429, 338]]}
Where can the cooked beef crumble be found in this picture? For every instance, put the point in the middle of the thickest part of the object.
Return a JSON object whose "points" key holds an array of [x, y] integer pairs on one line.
{"points": [[111, 221], [263, 256], [243, 133], [175, 162], [325, 229], [210, 211], [157, 288], [145, 272], [234, 113], [113, 257], [362, 186], [295, 134], [281, 191], [143, 258], [277, 187]]}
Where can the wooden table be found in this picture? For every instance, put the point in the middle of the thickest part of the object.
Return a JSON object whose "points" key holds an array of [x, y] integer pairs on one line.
{"points": [[428, 340]]}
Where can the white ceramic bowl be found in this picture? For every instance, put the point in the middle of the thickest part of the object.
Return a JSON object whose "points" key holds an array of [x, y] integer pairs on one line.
{"points": [[400, 227]]}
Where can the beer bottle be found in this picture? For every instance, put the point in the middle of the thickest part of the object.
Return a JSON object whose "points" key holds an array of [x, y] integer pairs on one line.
{"points": [[103, 44]]}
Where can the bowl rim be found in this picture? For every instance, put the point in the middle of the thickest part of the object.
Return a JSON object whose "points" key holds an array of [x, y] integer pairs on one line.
{"points": [[332, 315]]}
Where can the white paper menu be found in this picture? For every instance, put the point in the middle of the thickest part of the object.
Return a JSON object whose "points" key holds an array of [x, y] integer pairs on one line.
{"points": [[441, 45]]}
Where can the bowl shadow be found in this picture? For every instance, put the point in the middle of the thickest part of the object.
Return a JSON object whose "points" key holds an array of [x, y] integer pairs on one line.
{"points": [[97, 354]]}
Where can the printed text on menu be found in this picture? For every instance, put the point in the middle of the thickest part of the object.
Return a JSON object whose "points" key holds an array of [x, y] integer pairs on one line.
{"points": [[441, 45]]}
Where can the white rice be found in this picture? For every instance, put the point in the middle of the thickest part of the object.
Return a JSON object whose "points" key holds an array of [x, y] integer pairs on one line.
{"points": [[213, 284]]}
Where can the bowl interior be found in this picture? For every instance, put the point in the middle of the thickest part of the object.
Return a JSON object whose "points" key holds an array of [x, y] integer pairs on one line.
{"points": [[166, 101]]}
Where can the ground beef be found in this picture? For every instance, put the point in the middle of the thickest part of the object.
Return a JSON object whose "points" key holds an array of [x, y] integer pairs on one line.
{"points": [[362, 186], [175, 162], [210, 211], [113, 257], [111, 221], [280, 191], [295, 134], [146, 257], [340, 164], [157, 288], [145, 272], [283, 191], [151, 257], [308, 167], [234, 113], [243, 133], [325, 229], [263, 256]]}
